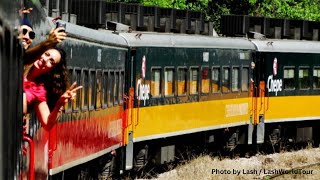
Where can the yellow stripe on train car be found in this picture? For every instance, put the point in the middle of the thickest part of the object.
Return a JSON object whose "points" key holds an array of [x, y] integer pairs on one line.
{"points": [[169, 120], [291, 108]]}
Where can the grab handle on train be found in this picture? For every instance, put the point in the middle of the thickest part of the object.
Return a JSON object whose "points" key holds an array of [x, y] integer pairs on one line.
{"points": [[251, 95], [255, 106], [131, 104], [27, 138], [138, 109], [268, 101], [262, 93]]}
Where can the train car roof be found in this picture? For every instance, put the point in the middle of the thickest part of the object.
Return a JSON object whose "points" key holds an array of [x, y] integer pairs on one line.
{"points": [[92, 35], [137, 39], [285, 45]]}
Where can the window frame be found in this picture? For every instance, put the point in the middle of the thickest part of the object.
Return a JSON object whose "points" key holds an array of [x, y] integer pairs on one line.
{"points": [[98, 105], [229, 77], [241, 79], [173, 80], [151, 79], [121, 85], [186, 80], [308, 68], [110, 96], [219, 79], [238, 81], [77, 100], [198, 80], [68, 109], [116, 87], [84, 107], [105, 88], [294, 78], [313, 68], [209, 78], [91, 105]]}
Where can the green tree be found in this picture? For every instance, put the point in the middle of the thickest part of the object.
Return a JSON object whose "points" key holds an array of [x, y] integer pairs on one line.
{"points": [[292, 9]]}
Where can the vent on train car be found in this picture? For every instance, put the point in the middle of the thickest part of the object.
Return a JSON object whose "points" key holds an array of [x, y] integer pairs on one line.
{"points": [[89, 13], [241, 25], [151, 18], [119, 27], [95, 14], [234, 25], [260, 25]]}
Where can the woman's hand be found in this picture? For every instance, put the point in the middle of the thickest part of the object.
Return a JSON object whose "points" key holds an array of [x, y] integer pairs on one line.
{"points": [[70, 94], [56, 36]]}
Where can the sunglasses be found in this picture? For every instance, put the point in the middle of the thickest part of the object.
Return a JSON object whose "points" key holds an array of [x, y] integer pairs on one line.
{"points": [[32, 35]]}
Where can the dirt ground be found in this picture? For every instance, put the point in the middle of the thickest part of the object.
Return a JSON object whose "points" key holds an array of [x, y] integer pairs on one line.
{"points": [[256, 167]]}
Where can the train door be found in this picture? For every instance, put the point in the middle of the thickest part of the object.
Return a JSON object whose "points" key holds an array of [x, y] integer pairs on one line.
{"points": [[258, 99], [129, 109]]}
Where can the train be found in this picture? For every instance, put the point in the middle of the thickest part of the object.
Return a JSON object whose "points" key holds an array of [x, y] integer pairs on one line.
{"points": [[10, 91], [146, 96]]}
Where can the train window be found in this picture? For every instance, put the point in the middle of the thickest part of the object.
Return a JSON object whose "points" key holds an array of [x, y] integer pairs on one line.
{"points": [[92, 87], [182, 81], [205, 81], [215, 80], [194, 73], [245, 79], [316, 78], [77, 100], [85, 89], [68, 106], [304, 81], [288, 78], [105, 86], [98, 89], [235, 79], [110, 88], [156, 82], [121, 86], [116, 88], [226, 79], [168, 82]]}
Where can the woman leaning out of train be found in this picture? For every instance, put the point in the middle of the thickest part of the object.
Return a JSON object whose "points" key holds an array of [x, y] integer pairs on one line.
{"points": [[45, 87]]}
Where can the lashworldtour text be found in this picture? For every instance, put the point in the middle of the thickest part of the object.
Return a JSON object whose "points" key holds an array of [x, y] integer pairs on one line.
{"points": [[284, 171], [261, 171]]}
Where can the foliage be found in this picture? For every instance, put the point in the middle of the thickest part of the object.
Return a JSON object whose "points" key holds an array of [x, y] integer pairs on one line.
{"points": [[292, 9]]}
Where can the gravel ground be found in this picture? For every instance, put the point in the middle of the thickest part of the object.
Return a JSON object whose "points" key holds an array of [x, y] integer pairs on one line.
{"points": [[256, 167]]}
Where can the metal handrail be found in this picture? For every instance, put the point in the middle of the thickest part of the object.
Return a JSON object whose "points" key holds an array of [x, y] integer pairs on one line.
{"points": [[28, 139]]}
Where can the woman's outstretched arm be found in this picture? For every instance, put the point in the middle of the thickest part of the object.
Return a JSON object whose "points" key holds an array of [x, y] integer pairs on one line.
{"points": [[49, 119]]}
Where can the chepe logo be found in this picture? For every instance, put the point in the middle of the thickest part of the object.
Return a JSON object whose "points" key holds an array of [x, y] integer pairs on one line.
{"points": [[143, 67], [275, 66], [274, 85]]}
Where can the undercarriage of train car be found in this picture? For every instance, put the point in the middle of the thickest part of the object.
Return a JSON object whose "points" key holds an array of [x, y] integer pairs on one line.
{"points": [[288, 136]]}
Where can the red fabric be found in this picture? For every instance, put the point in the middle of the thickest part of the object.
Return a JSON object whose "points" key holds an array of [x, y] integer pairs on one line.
{"points": [[35, 93]]}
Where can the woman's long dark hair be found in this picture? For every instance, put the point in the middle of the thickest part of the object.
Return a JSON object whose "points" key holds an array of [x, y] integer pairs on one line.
{"points": [[56, 81]]}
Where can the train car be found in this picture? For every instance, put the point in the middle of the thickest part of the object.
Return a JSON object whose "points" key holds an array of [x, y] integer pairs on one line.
{"points": [[147, 96], [186, 88], [289, 70], [10, 91], [91, 125]]}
